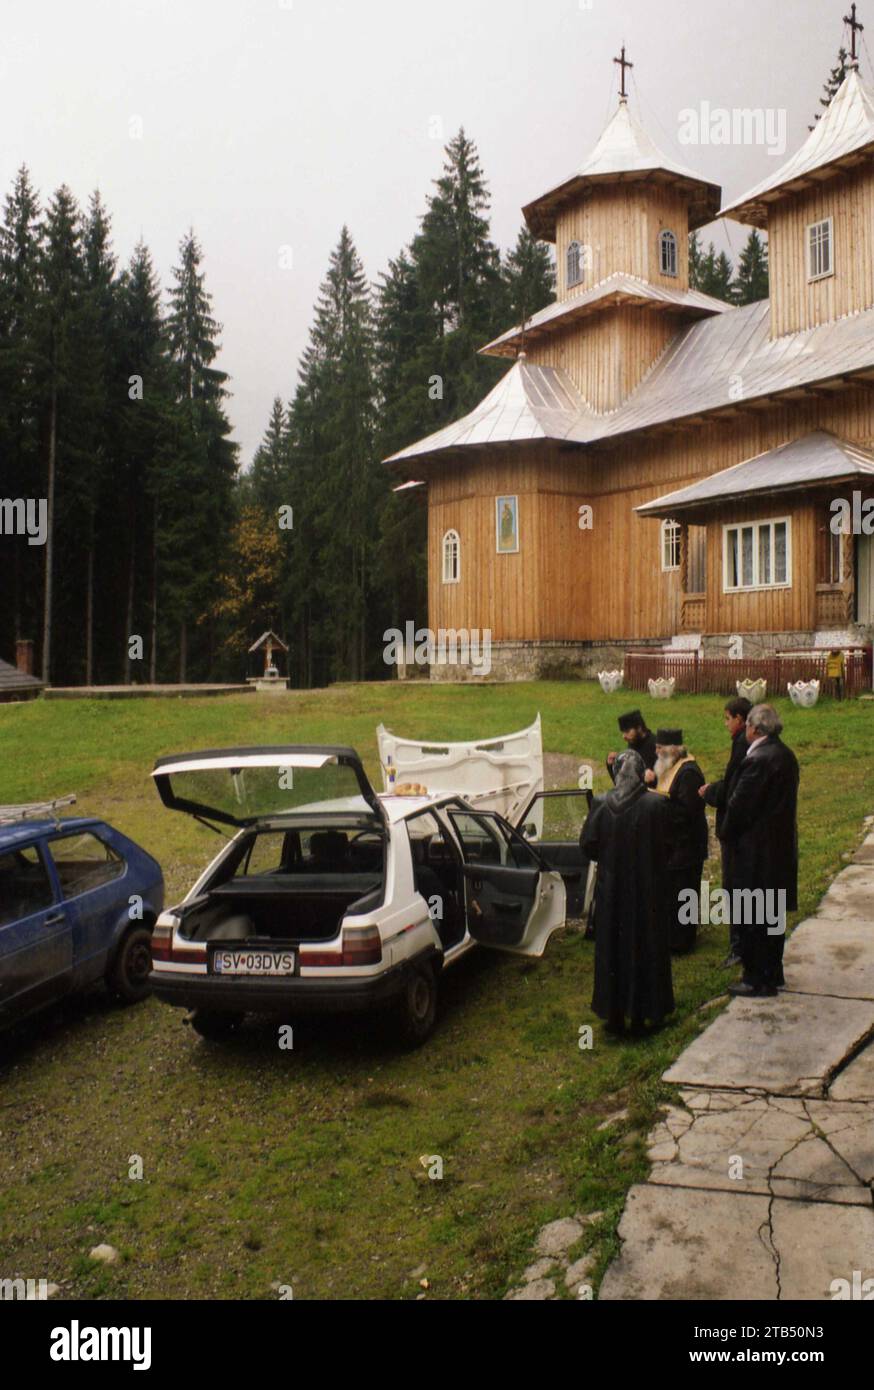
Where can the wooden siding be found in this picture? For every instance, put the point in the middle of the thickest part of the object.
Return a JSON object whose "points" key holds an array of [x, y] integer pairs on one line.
{"points": [[568, 584], [797, 303], [608, 354], [620, 227]]}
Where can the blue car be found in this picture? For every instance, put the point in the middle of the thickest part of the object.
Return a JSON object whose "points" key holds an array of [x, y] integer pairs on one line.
{"points": [[78, 902]]}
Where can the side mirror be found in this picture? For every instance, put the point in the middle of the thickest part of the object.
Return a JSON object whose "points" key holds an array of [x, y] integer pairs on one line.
{"points": [[530, 831]]}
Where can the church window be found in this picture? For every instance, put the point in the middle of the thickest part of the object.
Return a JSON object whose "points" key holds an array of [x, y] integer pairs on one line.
{"points": [[668, 253], [670, 545], [757, 555], [574, 264], [820, 249], [451, 558]]}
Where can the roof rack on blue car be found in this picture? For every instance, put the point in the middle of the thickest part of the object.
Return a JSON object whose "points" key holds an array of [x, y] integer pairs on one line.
{"points": [[34, 810]]}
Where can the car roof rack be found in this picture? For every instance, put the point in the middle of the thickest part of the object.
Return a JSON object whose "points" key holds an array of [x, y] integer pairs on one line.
{"points": [[35, 810]]}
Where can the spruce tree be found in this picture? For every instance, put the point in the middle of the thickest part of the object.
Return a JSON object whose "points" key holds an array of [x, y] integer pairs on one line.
{"points": [[58, 310], [835, 80], [20, 253], [751, 282], [196, 475], [529, 278]]}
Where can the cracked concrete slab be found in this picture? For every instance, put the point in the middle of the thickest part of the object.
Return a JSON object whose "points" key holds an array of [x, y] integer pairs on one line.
{"points": [[680, 1244], [817, 1244], [831, 956], [753, 1144], [788, 1045], [856, 1081], [851, 894]]}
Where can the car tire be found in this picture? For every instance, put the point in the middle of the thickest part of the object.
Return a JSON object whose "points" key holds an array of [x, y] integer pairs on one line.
{"points": [[416, 1009], [215, 1027], [128, 976]]}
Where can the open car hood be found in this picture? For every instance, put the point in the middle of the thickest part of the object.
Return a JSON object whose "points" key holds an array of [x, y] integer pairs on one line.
{"points": [[497, 774], [239, 786]]}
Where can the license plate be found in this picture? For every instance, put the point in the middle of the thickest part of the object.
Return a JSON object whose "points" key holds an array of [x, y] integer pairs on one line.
{"points": [[253, 963]]}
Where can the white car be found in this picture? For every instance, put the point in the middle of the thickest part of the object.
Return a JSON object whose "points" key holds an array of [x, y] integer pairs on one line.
{"points": [[332, 897]]}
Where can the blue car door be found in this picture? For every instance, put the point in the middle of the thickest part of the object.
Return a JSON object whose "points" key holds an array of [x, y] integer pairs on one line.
{"points": [[36, 941], [92, 877]]}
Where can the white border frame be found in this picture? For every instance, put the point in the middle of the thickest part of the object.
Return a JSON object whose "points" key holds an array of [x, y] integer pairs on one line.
{"points": [[825, 274], [507, 497], [756, 588], [450, 532]]}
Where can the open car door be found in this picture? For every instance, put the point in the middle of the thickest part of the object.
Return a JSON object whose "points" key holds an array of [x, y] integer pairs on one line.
{"points": [[552, 822], [513, 901], [239, 786], [498, 774]]}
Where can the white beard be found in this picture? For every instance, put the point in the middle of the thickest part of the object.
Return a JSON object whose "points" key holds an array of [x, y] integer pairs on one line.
{"points": [[666, 761]]}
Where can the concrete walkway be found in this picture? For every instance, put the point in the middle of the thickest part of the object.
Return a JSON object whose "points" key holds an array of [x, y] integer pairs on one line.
{"points": [[761, 1185]]}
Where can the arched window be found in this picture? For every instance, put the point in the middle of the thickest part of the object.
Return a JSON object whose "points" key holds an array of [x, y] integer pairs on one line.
{"points": [[670, 545], [574, 264], [451, 558], [668, 253]]}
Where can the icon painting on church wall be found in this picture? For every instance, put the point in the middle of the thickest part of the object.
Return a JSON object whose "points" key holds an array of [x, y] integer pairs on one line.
{"points": [[507, 520]]}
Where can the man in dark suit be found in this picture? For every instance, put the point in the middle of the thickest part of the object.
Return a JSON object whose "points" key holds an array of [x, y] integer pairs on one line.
{"points": [[760, 825], [717, 794], [677, 777], [637, 736]]}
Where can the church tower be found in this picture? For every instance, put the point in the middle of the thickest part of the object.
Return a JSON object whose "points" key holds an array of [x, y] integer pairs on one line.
{"points": [[818, 211], [620, 226]]}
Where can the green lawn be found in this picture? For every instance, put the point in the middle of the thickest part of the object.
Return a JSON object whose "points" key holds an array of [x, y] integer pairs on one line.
{"points": [[264, 1167]]}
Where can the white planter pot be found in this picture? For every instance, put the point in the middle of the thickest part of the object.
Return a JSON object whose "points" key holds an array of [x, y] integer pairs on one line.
{"points": [[662, 689], [611, 681], [754, 691], [804, 694]]}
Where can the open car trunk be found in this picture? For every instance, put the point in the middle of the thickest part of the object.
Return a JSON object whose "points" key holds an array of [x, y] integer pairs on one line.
{"points": [[290, 908]]}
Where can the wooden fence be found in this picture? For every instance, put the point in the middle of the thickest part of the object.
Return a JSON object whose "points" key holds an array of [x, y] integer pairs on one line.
{"points": [[706, 675]]}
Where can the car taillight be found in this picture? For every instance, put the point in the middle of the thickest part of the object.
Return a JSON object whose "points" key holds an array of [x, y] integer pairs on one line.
{"points": [[362, 946], [162, 941]]}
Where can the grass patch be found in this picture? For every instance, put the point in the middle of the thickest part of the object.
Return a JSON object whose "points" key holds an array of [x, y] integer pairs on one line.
{"points": [[264, 1167]]}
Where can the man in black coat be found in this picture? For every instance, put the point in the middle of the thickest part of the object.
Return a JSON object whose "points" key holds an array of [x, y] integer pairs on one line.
{"points": [[626, 835], [717, 794], [677, 777], [637, 736], [760, 825]]}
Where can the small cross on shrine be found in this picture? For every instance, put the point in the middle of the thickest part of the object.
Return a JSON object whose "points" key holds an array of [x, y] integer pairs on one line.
{"points": [[623, 63], [855, 27]]}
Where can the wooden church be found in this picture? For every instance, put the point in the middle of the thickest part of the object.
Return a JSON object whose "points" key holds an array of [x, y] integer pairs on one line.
{"points": [[708, 441]]}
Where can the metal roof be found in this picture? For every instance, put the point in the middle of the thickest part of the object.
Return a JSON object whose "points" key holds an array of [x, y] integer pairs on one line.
{"points": [[13, 679], [816, 457], [617, 288], [624, 152], [845, 129], [719, 362]]}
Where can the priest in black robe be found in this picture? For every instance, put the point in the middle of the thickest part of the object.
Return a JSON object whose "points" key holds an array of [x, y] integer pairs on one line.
{"points": [[761, 825], [678, 779], [718, 794], [627, 834], [632, 727]]}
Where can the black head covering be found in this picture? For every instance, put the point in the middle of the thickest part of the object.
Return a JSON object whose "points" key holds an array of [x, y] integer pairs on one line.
{"points": [[670, 738], [634, 720], [629, 768]]}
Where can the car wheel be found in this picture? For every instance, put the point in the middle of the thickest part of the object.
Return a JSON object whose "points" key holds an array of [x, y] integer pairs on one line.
{"points": [[416, 1010], [128, 977], [214, 1026]]}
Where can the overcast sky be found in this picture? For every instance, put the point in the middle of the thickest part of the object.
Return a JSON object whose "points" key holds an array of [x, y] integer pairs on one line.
{"points": [[269, 123]]}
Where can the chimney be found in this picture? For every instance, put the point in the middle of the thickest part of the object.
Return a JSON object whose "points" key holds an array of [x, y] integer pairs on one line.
{"points": [[24, 656]]}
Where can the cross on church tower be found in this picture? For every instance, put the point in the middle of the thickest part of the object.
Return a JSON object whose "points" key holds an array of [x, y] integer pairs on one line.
{"points": [[623, 64], [855, 27]]}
